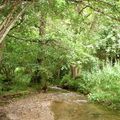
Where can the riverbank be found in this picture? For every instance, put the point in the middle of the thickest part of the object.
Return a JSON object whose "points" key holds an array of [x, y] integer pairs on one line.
{"points": [[59, 105]]}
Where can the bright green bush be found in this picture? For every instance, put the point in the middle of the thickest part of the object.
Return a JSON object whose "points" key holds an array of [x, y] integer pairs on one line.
{"points": [[104, 85]]}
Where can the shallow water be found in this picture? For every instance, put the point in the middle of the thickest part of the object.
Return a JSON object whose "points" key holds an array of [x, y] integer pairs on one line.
{"points": [[56, 106], [78, 109]]}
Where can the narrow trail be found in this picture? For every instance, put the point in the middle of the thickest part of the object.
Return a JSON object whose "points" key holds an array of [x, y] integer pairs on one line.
{"points": [[55, 106]]}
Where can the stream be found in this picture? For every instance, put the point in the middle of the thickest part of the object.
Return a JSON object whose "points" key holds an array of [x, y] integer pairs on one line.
{"points": [[57, 105], [81, 110]]}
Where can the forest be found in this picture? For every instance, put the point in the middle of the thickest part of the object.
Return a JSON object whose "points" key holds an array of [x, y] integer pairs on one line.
{"points": [[72, 45]]}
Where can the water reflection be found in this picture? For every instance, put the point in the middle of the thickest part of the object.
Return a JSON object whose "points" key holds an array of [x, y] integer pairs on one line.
{"points": [[81, 111]]}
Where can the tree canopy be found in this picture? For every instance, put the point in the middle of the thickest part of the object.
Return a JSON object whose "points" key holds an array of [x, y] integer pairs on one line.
{"points": [[57, 40]]}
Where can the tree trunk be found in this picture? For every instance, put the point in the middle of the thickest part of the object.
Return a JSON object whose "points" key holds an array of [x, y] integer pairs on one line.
{"points": [[74, 71], [42, 26], [2, 45], [58, 74], [9, 22]]}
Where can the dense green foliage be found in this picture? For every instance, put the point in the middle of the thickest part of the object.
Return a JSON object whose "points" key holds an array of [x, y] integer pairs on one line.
{"points": [[50, 36]]}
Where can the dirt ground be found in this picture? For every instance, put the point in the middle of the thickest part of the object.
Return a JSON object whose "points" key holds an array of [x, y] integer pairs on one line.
{"points": [[35, 107]]}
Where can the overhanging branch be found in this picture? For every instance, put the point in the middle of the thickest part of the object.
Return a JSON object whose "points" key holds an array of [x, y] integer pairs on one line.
{"points": [[9, 23], [105, 14], [106, 4]]}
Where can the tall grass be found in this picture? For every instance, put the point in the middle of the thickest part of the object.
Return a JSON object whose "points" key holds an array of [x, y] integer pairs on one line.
{"points": [[107, 79], [104, 84]]}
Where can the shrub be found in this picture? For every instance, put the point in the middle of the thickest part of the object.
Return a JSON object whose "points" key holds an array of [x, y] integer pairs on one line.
{"points": [[6, 75], [104, 84], [85, 84], [68, 83]]}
